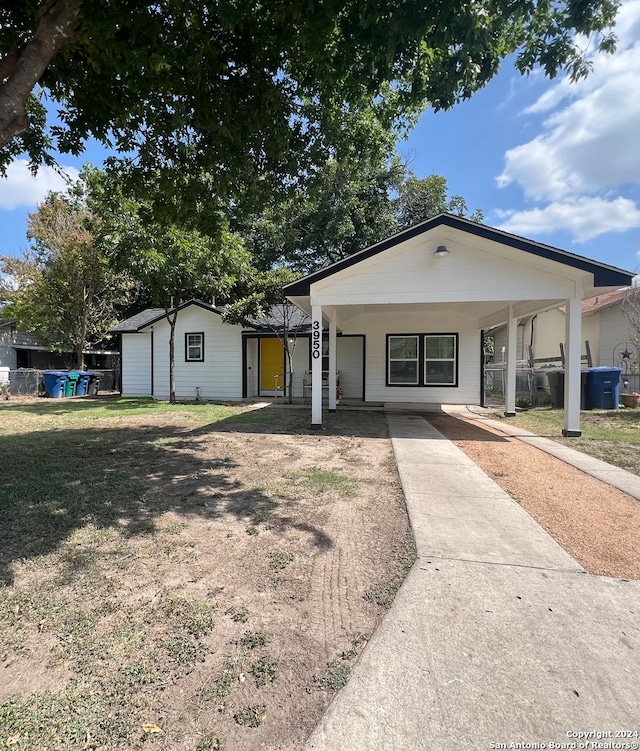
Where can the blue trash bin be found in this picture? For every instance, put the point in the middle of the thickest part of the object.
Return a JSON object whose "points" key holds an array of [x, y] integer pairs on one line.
{"points": [[82, 386], [54, 383], [603, 388]]}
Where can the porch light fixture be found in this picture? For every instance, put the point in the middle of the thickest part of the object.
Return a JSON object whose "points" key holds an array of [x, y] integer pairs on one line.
{"points": [[441, 251]]}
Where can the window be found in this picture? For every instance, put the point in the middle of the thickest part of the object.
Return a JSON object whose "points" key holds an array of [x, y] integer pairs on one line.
{"points": [[422, 360], [325, 353], [439, 360], [403, 360], [194, 347]]}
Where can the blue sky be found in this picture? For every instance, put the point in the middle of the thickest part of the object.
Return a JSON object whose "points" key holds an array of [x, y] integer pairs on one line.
{"points": [[552, 161]]}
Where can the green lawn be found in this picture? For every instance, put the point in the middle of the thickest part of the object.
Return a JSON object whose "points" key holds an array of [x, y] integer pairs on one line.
{"points": [[610, 435], [75, 411]]}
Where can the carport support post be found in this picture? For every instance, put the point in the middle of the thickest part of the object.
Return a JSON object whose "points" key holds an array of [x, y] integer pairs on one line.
{"points": [[333, 386], [316, 367], [512, 354], [572, 377]]}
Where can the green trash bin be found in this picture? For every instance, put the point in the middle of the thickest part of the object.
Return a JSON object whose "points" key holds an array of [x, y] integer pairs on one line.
{"points": [[70, 385]]}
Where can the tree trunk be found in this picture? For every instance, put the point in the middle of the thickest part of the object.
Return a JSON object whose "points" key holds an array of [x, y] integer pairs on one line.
{"points": [[79, 356], [172, 358], [290, 373], [20, 70]]}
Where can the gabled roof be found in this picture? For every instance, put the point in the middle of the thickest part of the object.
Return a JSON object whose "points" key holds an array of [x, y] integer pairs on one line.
{"points": [[602, 302], [148, 317], [138, 321], [604, 275], [297, 320]]}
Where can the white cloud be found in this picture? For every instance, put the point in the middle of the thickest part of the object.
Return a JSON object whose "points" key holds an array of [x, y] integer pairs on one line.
{"points": [[21, 188], [585, 218], [588, 145]]}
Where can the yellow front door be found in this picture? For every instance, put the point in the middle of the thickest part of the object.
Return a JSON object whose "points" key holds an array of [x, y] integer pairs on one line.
{"points": [[271, 364]]}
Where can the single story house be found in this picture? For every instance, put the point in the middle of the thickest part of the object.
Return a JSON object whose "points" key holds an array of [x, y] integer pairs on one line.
{"points": [[604, 327], [20, 350], [217, 360], [401, 321], [607, 337], [609, 334]]}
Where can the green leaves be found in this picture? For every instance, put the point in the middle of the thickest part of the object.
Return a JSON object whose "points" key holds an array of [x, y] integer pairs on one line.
{"points": [[344, 207], [64, 289], [255, 95]]}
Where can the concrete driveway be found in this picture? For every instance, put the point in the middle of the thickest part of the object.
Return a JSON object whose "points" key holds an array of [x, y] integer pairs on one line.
{"points": [[497, 637]]}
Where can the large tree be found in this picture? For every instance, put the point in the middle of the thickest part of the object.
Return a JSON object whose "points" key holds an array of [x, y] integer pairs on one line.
{"points": [[171, 261], [631, 310], [344, 207], [63, 289], [243, 91], [421, 198]]}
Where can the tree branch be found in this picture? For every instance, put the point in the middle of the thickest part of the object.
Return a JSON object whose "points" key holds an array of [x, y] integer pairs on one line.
{"points": [[8, 62], [55, 31]]}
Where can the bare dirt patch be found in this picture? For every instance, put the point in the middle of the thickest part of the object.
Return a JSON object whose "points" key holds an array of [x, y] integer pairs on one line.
{"points": [[191, 588], [594, 522]]}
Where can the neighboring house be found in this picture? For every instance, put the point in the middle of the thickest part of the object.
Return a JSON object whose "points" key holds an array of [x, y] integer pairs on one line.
{"points": [[604, 326], [20, 350], [523, 340], [401, 322]]}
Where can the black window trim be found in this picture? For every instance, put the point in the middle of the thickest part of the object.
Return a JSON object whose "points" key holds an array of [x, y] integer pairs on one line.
{"points": [[186, 346], [422, 361]]}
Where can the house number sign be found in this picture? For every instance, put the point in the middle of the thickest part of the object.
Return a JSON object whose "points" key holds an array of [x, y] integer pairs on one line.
{"points": [[315, 347]]}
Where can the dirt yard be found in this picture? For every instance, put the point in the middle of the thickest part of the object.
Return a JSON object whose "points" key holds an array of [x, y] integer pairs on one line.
{"points": [[184, 586], [597, 524]]}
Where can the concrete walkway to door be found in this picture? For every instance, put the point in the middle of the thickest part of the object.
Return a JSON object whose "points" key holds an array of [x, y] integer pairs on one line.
{"points": [[497, 635]]}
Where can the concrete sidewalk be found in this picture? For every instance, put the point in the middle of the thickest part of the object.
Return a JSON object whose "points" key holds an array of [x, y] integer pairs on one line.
{"points": [[497, 635]]}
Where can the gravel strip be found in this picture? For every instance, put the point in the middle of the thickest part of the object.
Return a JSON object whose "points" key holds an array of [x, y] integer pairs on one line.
{"points": [[595, 523]]}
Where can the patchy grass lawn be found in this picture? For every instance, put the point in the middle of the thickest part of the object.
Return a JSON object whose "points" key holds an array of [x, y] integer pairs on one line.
{"points": [[189, 577], [610, 435]]}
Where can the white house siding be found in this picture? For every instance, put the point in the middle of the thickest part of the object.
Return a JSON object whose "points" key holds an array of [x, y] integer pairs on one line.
{"points": [[500, 341], [411, 274], [549, 331], [218, 377], [136, 364], [376, 325], [614, 330]]}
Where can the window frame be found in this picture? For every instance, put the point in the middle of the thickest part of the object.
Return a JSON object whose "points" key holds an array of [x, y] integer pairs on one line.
{"points": [[187, 345], [422, 360], [453, 359], [415, 359]]}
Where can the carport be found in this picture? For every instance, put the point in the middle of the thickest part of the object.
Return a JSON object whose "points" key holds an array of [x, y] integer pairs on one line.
{"points": [[422, 300]]}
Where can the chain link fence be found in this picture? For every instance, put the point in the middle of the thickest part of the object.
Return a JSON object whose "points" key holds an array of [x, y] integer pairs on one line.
{"points": [[495, 376], [27, 382]]}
